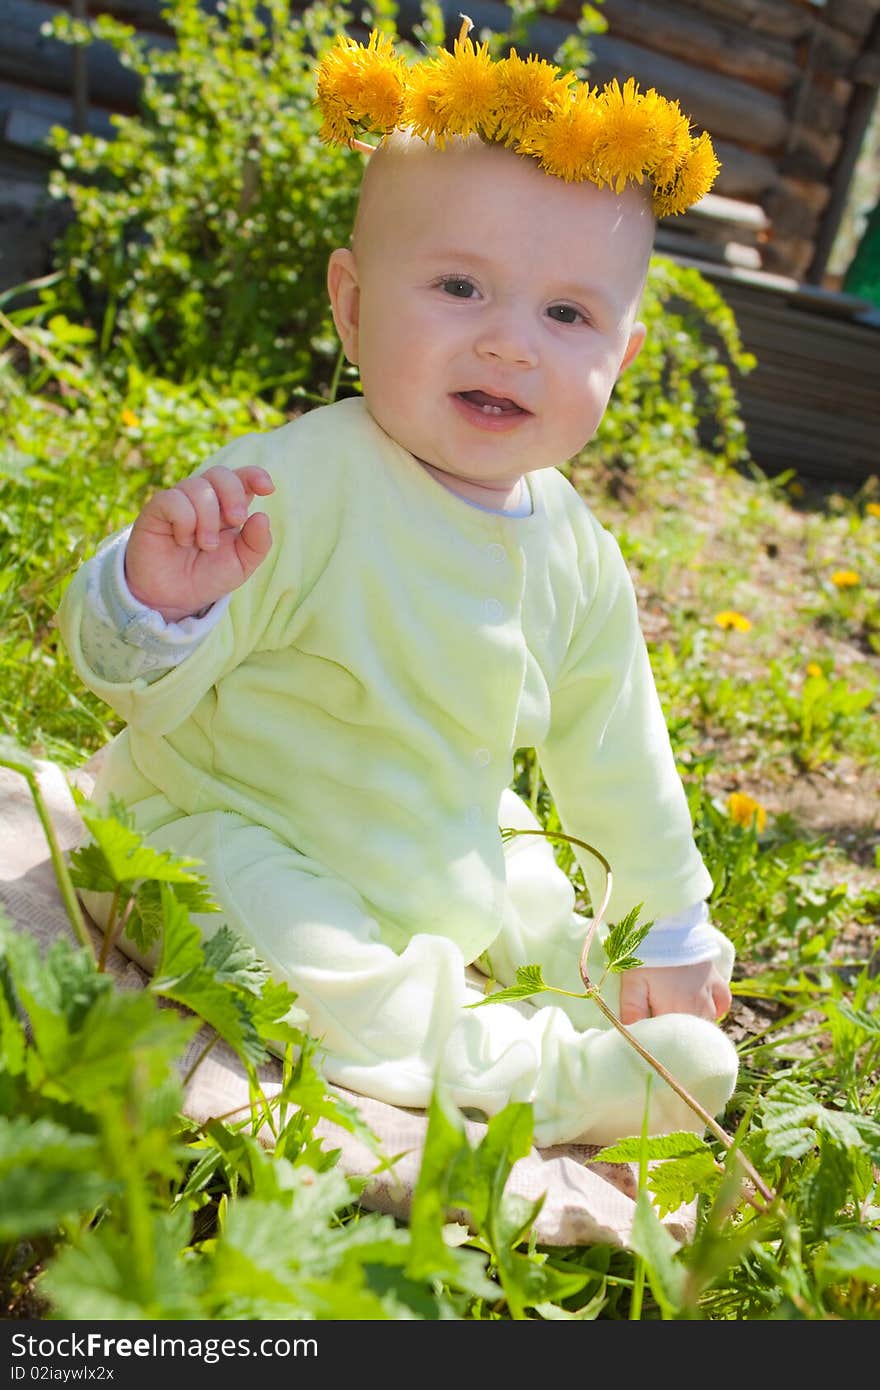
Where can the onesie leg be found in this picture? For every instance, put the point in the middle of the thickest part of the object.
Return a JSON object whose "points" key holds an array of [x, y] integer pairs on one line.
{"points": [[540, 927], [392, 1024]]}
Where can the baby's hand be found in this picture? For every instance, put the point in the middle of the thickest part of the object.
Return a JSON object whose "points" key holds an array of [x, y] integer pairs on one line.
{"points": [[674, 989], [194, 543]]}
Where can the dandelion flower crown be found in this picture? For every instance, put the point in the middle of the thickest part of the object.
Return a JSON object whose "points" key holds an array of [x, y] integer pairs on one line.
{"points": [[608, 137]]}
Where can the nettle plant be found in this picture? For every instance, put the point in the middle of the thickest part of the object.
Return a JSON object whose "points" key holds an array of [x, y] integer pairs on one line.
{"points": [[114, 1204]]}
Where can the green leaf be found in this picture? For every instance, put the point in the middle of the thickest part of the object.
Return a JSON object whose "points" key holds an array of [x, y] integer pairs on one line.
{"points": [[231, 958], [650, 1239], [623, 940], [794, 1120], [853, 1255], [182, 949], [57, 989], [446, 1154], [678, 1144], [678, 1181], [117, 855], [103, 1276], [146, 922], [48, 1176], [529, 981]]}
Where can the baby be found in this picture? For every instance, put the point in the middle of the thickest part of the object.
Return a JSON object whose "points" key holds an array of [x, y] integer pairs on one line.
{"points": [[324, 688]]}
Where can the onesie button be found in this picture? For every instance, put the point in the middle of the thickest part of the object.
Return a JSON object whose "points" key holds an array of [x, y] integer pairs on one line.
{"points": [[493, 610], [497, 552], [482, 757]]}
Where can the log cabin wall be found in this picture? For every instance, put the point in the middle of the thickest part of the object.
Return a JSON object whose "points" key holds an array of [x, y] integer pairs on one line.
{"points": [[785, 87]]}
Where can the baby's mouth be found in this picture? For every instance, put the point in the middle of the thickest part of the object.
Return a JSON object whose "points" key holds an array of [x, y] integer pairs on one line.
{"points": [[491, 405]]}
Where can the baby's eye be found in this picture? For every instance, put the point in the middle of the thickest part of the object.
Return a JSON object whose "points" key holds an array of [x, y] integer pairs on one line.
{"points": [[457, 285], [566, 313]]}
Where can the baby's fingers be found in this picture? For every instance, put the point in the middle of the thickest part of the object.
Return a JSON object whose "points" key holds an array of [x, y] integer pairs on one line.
{"points": [[235, 488], [253, 542], [201, 523], [255, 481]]}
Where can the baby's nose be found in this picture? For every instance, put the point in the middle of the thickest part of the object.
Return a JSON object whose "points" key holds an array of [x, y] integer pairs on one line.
{"points": [[507, 336]]}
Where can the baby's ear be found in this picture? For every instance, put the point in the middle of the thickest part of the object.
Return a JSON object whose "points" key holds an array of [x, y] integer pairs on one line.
{"points": [[345, 299], [636, 341]]}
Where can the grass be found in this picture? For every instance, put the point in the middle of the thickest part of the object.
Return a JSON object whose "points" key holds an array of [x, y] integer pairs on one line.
{"points": [[760, 600]]}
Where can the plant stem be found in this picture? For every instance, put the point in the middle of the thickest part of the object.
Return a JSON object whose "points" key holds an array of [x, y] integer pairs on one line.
{"points": [[720, 1134], [59, 864], [337, 373], [593, 993]]}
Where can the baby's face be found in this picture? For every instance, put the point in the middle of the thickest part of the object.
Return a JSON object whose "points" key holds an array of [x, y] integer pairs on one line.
{"points": [[489, 307]]}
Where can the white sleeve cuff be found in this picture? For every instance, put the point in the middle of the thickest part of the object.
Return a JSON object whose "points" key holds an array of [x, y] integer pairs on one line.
{"points": [[122, 639], [682, 939]]}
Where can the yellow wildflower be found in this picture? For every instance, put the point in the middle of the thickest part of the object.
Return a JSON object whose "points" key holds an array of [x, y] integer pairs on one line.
{"points": [[565, 143], [464, 90], [129, 419], [745, 810], [627, 145], [360, 85], [872, 508], [575, 133], [846, 579], [692, 180], [728, 618], [528, 91], [421, 112], [672, 132], [813, 668]]}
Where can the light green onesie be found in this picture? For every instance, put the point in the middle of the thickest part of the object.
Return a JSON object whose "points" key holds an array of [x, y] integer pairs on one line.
{"points": [[337, 751]]}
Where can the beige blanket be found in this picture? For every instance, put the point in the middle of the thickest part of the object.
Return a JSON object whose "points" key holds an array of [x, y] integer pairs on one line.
{"points": [[584, 1202]]}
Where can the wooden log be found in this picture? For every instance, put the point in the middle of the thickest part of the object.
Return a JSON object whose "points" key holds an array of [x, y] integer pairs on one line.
{"points": [[811, 157], [725, 106], [789, 255], [852, 16], [780, 18], [795, 208], [27, 115], [744, 173], [30, 222], [676, 243], [147, 14], [707, 41], [832, 51], [729, 215], [29, 56]]}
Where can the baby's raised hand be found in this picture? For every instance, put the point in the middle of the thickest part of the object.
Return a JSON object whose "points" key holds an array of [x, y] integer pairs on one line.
{"points": [[698, 989], [194, 543]]}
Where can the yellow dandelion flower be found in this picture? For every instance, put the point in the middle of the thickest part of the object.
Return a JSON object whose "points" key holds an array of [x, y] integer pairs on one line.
{"points": [[872, 508], [381, 96], [813, 668], [846, 579], [693, 179], [129, 419], [746, 811], [360, 86], [528, 91], [421, 103], [672, 137], [468, 88], [565, 142], [729, 618], [628, 144]]}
